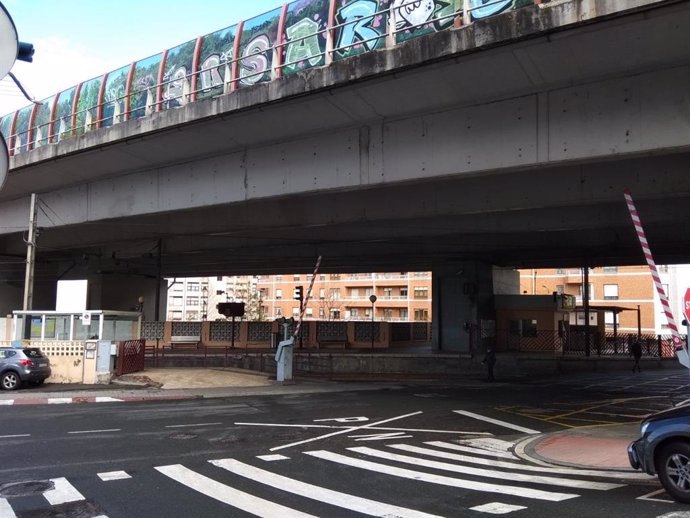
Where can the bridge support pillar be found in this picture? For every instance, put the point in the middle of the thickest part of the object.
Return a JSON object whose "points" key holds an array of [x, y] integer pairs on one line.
{"points": [[463, 299]]}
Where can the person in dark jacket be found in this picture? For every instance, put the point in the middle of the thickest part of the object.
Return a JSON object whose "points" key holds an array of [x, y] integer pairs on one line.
{"points": [[490, 361], [636, 351]]}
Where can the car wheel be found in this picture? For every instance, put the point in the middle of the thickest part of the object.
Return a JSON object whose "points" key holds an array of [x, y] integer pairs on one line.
{"points": [[673, 467], [10, 381]]}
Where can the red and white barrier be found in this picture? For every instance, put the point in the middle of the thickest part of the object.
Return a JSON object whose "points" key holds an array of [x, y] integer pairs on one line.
{"points": [[678, 341], [306, 299]]}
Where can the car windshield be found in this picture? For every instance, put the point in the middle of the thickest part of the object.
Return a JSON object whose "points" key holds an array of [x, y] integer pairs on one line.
{"points": [[33, 353]]}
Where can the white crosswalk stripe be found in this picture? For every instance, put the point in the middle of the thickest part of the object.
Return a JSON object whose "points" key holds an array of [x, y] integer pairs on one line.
{"points": [[62, 493], [321, 494], [440, 479], [487, 473], [229, 495], [6, 510]]}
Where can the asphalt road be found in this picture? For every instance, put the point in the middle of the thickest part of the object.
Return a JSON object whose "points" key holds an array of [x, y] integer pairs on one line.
{"points": [[417, 451]]}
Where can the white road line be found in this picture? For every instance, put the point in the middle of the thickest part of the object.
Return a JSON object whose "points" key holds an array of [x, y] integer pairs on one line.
{"points": [[271, 458], [62, 493], [318, 493], [59, 400], [491, 444], [6, 510], [468, 449], [515, 465], [107, 399], [441, 480], [7, 402], [16, 435], [98, 431], [487, 473], [190, 425], [113, 475], [496, 421], [649, 496], [228, 495], [497, 508], [346, 430]]}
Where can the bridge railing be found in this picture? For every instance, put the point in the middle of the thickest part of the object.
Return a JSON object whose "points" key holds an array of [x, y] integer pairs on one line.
{"points": [[296, 36]]}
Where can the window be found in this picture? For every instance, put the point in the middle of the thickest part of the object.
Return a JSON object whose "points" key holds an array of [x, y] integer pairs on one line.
{"points": [[279, 277], [322, 293], [264, 293], [322, 277], [278, 312], [219, 278], [335, 314], [388, 314], [295, 312], [591, 291], [177, 315], [310, 312], [354, 293], [176, 303], [335, 293], [524, 328], [610, 291], [388, 292], [609, 318], [367, 313], [663, 268], [220, 292], [279, 294], [368, 292], [322, 313], [354, 313], [193, 286], [421, 315], [560, 271], [192, 315], [335, 276], [610, 269], [404, 315], [403, 292], [421, 293], [560, 289], [192, 301], [295, 277]]}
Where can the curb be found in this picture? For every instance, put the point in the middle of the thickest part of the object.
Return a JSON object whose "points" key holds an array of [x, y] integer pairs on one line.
{"points": [[525, 450], [91, 399]]}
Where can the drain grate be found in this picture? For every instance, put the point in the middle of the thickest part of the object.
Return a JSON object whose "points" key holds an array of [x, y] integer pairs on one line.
{"points": [[27, 488]]}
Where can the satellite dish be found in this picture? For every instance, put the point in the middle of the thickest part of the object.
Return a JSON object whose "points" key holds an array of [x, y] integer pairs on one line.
{"points": [[4, 160], [9, 42]]}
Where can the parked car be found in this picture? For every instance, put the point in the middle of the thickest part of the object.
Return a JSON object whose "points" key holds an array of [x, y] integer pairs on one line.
{"points": [[19, 366], [664, 450]]}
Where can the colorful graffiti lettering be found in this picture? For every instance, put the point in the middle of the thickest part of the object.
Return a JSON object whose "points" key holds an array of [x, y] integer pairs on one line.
{"points": [[485, 8], [304, 34], [361, 25], [210, 76], [255, 60]]}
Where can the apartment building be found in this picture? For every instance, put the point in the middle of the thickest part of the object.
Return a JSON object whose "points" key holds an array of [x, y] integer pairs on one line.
{"points": [[625, 288], [400, 296]]}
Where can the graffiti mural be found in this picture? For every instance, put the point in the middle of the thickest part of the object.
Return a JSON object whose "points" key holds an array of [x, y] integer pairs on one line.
{"points": [[285, 40], [256, 47], [142, 95], [42, 122], [362, 27], [87, 105], [215, 62], [305, 35], [114, 96], [177, 76], [416, 18]]}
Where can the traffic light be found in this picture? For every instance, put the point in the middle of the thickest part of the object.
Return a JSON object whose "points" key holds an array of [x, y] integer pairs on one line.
{"points": [[298, 293]]}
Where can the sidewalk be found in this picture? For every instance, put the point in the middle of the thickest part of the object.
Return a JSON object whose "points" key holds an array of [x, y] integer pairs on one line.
{"points": [[169, 384], [591, 447]]}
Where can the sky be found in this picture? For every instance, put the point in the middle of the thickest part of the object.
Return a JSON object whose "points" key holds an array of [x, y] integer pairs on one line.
{"points": [[76, 40]]}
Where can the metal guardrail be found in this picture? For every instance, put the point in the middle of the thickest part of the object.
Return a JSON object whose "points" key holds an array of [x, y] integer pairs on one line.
{"points": [[261, 49]]}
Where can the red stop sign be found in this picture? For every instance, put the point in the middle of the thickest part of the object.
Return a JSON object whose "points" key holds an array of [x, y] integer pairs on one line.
{"points": [[686, 304]]}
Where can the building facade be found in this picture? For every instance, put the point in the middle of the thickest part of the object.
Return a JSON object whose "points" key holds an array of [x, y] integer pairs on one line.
{"points": [[400, 296], [627, 290]]}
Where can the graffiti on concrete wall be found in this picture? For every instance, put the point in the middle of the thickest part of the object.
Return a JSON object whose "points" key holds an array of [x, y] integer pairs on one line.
{"points": [[299, 35]]}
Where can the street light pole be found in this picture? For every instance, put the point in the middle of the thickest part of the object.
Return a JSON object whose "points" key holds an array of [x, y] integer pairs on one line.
{"points": [[372, 299]]}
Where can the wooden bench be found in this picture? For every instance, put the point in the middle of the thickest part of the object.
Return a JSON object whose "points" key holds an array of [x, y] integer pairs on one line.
{"points": [[184, 342]]}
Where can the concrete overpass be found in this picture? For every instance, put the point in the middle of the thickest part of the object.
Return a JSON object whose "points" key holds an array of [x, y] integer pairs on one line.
{"points": [[505, 141]]}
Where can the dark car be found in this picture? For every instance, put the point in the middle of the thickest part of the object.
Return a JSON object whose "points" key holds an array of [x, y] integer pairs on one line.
{"points": [[664, 450], [19, 366]]}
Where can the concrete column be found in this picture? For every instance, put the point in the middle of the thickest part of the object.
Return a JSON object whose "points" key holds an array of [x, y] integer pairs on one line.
{"points": [[461, 294]]}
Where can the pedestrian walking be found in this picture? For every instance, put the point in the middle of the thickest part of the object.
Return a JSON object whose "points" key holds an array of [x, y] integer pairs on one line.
{"points": [[490, 361], [636, 351]]}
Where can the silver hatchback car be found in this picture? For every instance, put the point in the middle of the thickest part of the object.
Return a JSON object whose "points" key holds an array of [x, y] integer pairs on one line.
{"points": [[19, 366]]}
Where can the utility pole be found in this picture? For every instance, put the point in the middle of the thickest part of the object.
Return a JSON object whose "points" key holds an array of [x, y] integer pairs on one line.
{"points": [[30, 257]]}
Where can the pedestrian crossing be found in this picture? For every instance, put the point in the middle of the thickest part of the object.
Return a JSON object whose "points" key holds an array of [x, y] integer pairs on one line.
{"points": [[490, 477]]}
